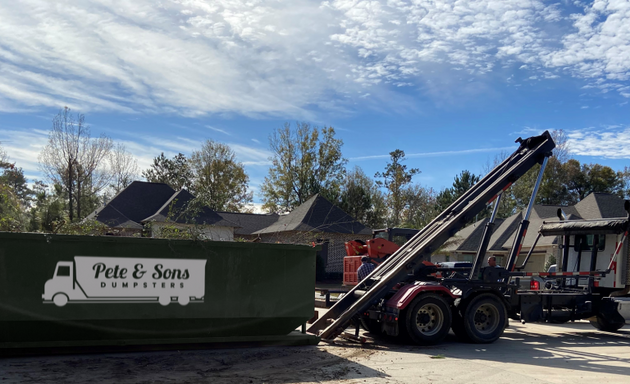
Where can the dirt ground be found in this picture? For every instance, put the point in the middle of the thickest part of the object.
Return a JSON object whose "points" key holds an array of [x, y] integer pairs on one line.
{"points": [[530, 353]]}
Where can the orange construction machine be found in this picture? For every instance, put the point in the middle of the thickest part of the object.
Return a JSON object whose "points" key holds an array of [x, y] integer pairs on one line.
{"points": [[383, 243]]}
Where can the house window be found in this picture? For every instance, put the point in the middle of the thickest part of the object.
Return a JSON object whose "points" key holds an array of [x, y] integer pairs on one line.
{"points": [[586, 242], [600, 239]]}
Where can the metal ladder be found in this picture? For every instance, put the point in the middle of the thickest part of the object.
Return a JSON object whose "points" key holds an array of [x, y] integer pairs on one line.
{"points": [[408, 260]]}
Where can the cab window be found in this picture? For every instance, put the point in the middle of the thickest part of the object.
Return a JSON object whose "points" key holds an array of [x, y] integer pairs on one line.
{"points": [[63, 270]]}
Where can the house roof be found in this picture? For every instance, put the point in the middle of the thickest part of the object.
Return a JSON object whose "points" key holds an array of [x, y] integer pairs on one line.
{"points": [[133, 204], [594, 206], [143, 201], [249, 222], [503, 233], [319, 215], [601, 205], [114, 218], [465, 238], [177, 209]]}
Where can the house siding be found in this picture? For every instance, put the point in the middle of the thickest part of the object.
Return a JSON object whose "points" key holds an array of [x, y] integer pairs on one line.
{"points": [[206, 233], [336, 244]]}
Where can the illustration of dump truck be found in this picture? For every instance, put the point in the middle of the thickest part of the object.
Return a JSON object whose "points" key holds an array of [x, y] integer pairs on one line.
{"points": [[92, 279]]}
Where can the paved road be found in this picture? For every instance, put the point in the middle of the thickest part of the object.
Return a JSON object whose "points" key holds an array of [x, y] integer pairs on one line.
{"points": [[531, 353]]}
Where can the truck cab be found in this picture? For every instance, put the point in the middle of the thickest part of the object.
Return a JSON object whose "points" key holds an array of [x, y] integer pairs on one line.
{"points": [[61, 287]]}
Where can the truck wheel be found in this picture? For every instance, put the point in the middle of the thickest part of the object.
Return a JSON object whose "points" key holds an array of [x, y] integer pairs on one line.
{"points": [[183, 300], [606, 325], [371, 325], [164, 300], [485, 318], [60, 299], [428, 319]]}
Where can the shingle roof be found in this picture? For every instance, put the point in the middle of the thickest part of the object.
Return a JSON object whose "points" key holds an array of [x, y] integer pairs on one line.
{"points": [[319, 215], [600, 205], [503, 233], [249, 222], [114, 218], [134, 203], [594, 206], [472, 241], [177, 209]]}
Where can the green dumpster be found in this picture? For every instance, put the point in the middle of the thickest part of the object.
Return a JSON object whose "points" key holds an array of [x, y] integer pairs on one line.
{"points": [[84, 290]]}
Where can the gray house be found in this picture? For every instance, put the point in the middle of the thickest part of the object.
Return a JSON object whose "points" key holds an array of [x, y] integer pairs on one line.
{"points": [[317, 221], [463, 245], [150, 207], [160, 205]]}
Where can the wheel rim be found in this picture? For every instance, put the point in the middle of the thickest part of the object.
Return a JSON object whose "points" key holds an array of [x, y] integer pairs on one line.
{"points": [[429, 319], [486, 318]]}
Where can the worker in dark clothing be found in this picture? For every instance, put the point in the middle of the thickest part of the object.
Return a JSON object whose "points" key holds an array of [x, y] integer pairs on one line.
{"points": [[366, 267], [492, 261]]}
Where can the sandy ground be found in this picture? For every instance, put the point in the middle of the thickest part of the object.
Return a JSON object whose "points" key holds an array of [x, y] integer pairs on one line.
{"points": [[531, 353]]}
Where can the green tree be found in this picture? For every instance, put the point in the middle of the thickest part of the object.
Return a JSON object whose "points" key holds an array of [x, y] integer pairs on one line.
{"points": [[420, 207], [175, 172], [361, 198], [306, 160], [584, 179], [461, 184], [11, 214], [14, 195], [220, 182], [395, 179], [49, 209], [14, 177]]}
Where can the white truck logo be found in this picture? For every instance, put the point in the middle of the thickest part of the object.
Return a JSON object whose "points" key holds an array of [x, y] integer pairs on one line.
{"points": [[124, 280]]}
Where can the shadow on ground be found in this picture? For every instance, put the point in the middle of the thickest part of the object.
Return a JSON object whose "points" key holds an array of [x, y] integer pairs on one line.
{"points": [[575, 346], [247, 365]]}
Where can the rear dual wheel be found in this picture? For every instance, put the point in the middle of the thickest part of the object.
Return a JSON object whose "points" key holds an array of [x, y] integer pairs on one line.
{"points": [[608, 325], [370, 325], [482, 320], [427, 320]]}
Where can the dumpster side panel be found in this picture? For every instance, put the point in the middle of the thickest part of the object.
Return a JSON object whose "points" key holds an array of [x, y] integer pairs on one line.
{"points": [[249, 289]]}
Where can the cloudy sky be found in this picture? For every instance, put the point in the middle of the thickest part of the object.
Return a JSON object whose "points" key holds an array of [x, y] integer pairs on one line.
{"points": [[452, 83]]}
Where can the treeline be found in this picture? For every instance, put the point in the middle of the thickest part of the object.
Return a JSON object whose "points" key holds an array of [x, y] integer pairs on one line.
{"points": [[82, 172]]}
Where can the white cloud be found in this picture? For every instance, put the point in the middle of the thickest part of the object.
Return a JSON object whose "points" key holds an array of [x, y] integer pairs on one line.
{"points": [[23, 147], [527, 131], [250, 156], [610, 143], [219, 130], [194, 57], [435, 154]]}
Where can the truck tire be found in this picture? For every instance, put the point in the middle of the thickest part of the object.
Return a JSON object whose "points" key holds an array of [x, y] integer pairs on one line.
{"points": [[371, 325], [606, 325], [60, 299], [428, 319], [485, 318]]}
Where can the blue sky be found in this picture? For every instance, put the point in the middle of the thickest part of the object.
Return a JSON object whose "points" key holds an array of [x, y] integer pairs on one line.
{"points": [[452, 83]]}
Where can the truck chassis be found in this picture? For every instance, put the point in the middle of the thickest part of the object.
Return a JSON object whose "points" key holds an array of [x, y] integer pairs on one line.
{"points": [[408, 296]]}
